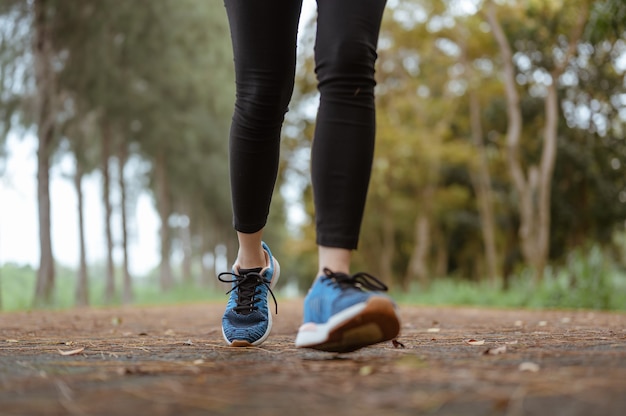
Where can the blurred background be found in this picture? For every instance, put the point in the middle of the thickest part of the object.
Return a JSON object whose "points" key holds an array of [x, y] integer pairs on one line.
{"points": [[499, 176]]}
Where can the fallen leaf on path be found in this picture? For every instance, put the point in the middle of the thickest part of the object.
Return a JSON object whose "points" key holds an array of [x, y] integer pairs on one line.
{"points": [[496, 350], [134, 370], [433, 330], [72, 352], [188, 342], [366, 370], [397, 343], [529, 366], [474, 342], [11, 340], [410, 362]]}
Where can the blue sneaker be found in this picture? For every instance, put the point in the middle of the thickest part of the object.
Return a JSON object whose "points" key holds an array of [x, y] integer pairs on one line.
{"points": [[340, 316], [247, 320]]}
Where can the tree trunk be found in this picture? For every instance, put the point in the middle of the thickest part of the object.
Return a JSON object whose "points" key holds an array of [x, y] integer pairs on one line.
{"points": [[207, 255], [482, 185], [441, 261], [212, 235], [109, 291], [418, 264], [388, 249], [44, 78], [82, 284], [164, 206], [480, 176], [534, 191], [185, 238], [185, 232], [207, 263], [127, 287]]}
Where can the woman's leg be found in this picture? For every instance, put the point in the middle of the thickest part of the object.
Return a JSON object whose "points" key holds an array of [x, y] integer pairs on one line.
{"points": [[264, 36], [343, 147], [344, 312]]}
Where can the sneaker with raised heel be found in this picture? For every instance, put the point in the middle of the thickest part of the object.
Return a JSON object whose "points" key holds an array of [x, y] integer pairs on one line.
{"points": [[247, 320], [343, 313]]}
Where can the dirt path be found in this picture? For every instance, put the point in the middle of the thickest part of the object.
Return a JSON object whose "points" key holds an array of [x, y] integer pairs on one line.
{"points": [[172, 361]]}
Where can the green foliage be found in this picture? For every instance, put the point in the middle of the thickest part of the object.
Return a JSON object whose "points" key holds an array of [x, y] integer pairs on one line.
{"points": [[17, 287], [608, 20], [167, 88], [588, 280], [14, 41], [149, 294]]}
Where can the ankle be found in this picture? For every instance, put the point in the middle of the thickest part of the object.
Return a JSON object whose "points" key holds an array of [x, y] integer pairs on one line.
{"points": [[251, 260], [251, 253], [335, 259]]}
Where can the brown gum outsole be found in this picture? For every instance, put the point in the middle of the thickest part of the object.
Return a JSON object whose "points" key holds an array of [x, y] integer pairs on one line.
{"points": [[378, 322]]}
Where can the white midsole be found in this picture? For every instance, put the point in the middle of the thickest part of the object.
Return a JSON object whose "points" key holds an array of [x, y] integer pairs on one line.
{"points": [[313, 334]]}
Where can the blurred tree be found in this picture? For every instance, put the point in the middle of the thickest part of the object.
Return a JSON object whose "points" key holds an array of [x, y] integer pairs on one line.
{"points": [[88, 37], [589, 200], [153, 81], [46, 107], [472, 52], [171, 60], [187, 137], [13, 46], [440, 188], [78, 131], [417, 148], [533, 187]]}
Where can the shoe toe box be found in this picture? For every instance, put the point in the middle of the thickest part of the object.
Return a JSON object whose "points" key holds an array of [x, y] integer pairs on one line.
{"points": [[239, 327]]}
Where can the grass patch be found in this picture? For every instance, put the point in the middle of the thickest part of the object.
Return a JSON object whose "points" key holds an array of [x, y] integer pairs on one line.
{"points": [[17, 288], [587, 280]]}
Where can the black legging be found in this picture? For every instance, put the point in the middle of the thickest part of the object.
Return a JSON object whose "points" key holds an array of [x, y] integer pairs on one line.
{"points": [[264, 43]]}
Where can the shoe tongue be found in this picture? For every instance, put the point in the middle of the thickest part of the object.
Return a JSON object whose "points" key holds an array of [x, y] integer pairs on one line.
{"points": [[247, 290], [253, 270]]}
